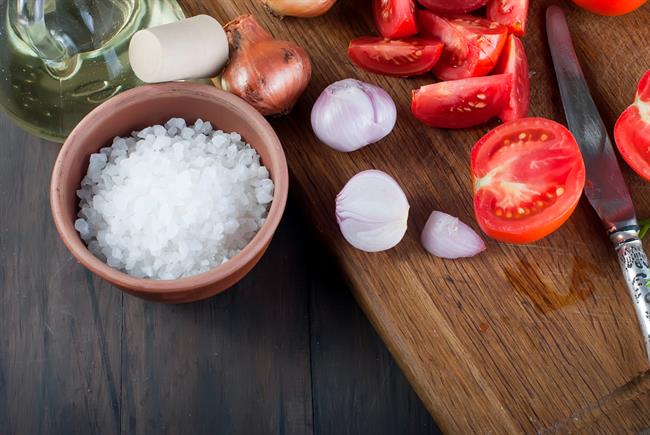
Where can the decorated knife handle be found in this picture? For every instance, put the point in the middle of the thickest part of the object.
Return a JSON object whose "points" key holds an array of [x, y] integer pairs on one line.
{"points": [[636, 270]]}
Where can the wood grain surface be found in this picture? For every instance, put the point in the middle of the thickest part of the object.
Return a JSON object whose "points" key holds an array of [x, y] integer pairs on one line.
{"points": [[538, 338], [279, 353]]}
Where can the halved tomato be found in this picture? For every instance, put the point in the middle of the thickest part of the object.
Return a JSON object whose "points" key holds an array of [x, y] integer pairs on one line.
{"points": [[632, 131], [395, 18], [610, 7], [527, 178], [513, 61], [510, 13], [396, 57], [489, 37], [453, 6], [461, 103], [472, 44]]}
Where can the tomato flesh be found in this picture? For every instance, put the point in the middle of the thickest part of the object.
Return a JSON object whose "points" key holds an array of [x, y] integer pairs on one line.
{"points": [[511, 13], [452, 6], [489, 37], [632, 131], [513, 61], [610, 7], [527, 178], [472, 44], [397, 57], [461, 103], [459, 58], [395, 18]]}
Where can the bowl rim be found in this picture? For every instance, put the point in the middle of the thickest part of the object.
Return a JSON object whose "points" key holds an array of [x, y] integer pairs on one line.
{"points": [[248, 254]]}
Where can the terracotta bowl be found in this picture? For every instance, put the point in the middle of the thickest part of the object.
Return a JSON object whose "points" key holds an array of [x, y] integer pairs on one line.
{"points": [[150, 105]]}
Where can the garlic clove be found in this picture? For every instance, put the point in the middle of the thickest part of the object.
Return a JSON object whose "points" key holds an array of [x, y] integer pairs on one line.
{"points": [[446, 236], [372, 211]]}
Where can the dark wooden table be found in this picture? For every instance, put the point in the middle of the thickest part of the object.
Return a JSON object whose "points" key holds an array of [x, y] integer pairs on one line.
{"points": [[286, 351]]}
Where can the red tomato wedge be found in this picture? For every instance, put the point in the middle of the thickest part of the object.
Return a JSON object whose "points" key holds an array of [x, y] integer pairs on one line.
{"points": [[511, 13], [632, 131], [396, 57], [527, 178], [489, 37], [472, 44], [461, 103], [452, 6], [459, 58], [395, 18], [513, 61]]}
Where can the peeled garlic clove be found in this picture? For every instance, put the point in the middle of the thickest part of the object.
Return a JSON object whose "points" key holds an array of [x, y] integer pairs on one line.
{"points": [[372, 211], [446, 236]]}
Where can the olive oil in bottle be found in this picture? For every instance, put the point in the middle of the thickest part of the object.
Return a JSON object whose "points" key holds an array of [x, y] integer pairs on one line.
{"points": [[59, 59]]}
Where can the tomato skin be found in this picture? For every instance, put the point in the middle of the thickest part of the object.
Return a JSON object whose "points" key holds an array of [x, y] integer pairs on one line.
{"points": [[527, 177], [395, 18], [610, 7], [397, 57], [510, 13], [472, 44], [453, 6], [461, 103], [632, 131], [513, 61]]}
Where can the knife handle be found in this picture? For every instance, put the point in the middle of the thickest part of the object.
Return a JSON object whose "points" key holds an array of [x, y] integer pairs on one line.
{"points": [[636, 270]]}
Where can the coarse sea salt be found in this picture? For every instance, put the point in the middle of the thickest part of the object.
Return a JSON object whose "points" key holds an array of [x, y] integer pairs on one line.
{"points": [[173, 201]]}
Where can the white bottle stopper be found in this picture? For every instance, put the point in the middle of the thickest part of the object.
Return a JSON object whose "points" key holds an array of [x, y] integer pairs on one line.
{"points": [[193, 48]]}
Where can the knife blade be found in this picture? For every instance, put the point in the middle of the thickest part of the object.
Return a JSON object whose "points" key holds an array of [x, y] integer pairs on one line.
{"points": [[605, 187]]}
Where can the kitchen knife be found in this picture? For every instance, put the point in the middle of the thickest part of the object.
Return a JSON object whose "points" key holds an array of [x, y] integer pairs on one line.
{"points": [[605, 187]]}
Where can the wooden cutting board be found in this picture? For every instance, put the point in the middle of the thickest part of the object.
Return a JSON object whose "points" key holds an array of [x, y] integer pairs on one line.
{"points": [[538, 338]]}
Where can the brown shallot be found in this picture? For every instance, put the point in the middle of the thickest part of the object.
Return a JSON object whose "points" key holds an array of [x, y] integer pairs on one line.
{"points": [[268, 73], [299, 8]]}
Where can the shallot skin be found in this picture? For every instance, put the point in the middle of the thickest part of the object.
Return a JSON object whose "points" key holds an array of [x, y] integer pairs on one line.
{"points": [[268, 73], [298, 8]]}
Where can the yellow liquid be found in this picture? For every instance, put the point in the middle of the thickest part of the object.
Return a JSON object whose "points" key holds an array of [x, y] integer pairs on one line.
{"points": [[50, 102]]}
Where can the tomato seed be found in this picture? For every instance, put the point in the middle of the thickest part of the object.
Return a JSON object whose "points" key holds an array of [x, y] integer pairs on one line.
{"points": [[543, 137], [481, 96], [559, 191], [505, 7]]}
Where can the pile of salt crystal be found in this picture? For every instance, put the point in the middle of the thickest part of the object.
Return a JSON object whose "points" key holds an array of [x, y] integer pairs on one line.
{"points": [[173, 201]]}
